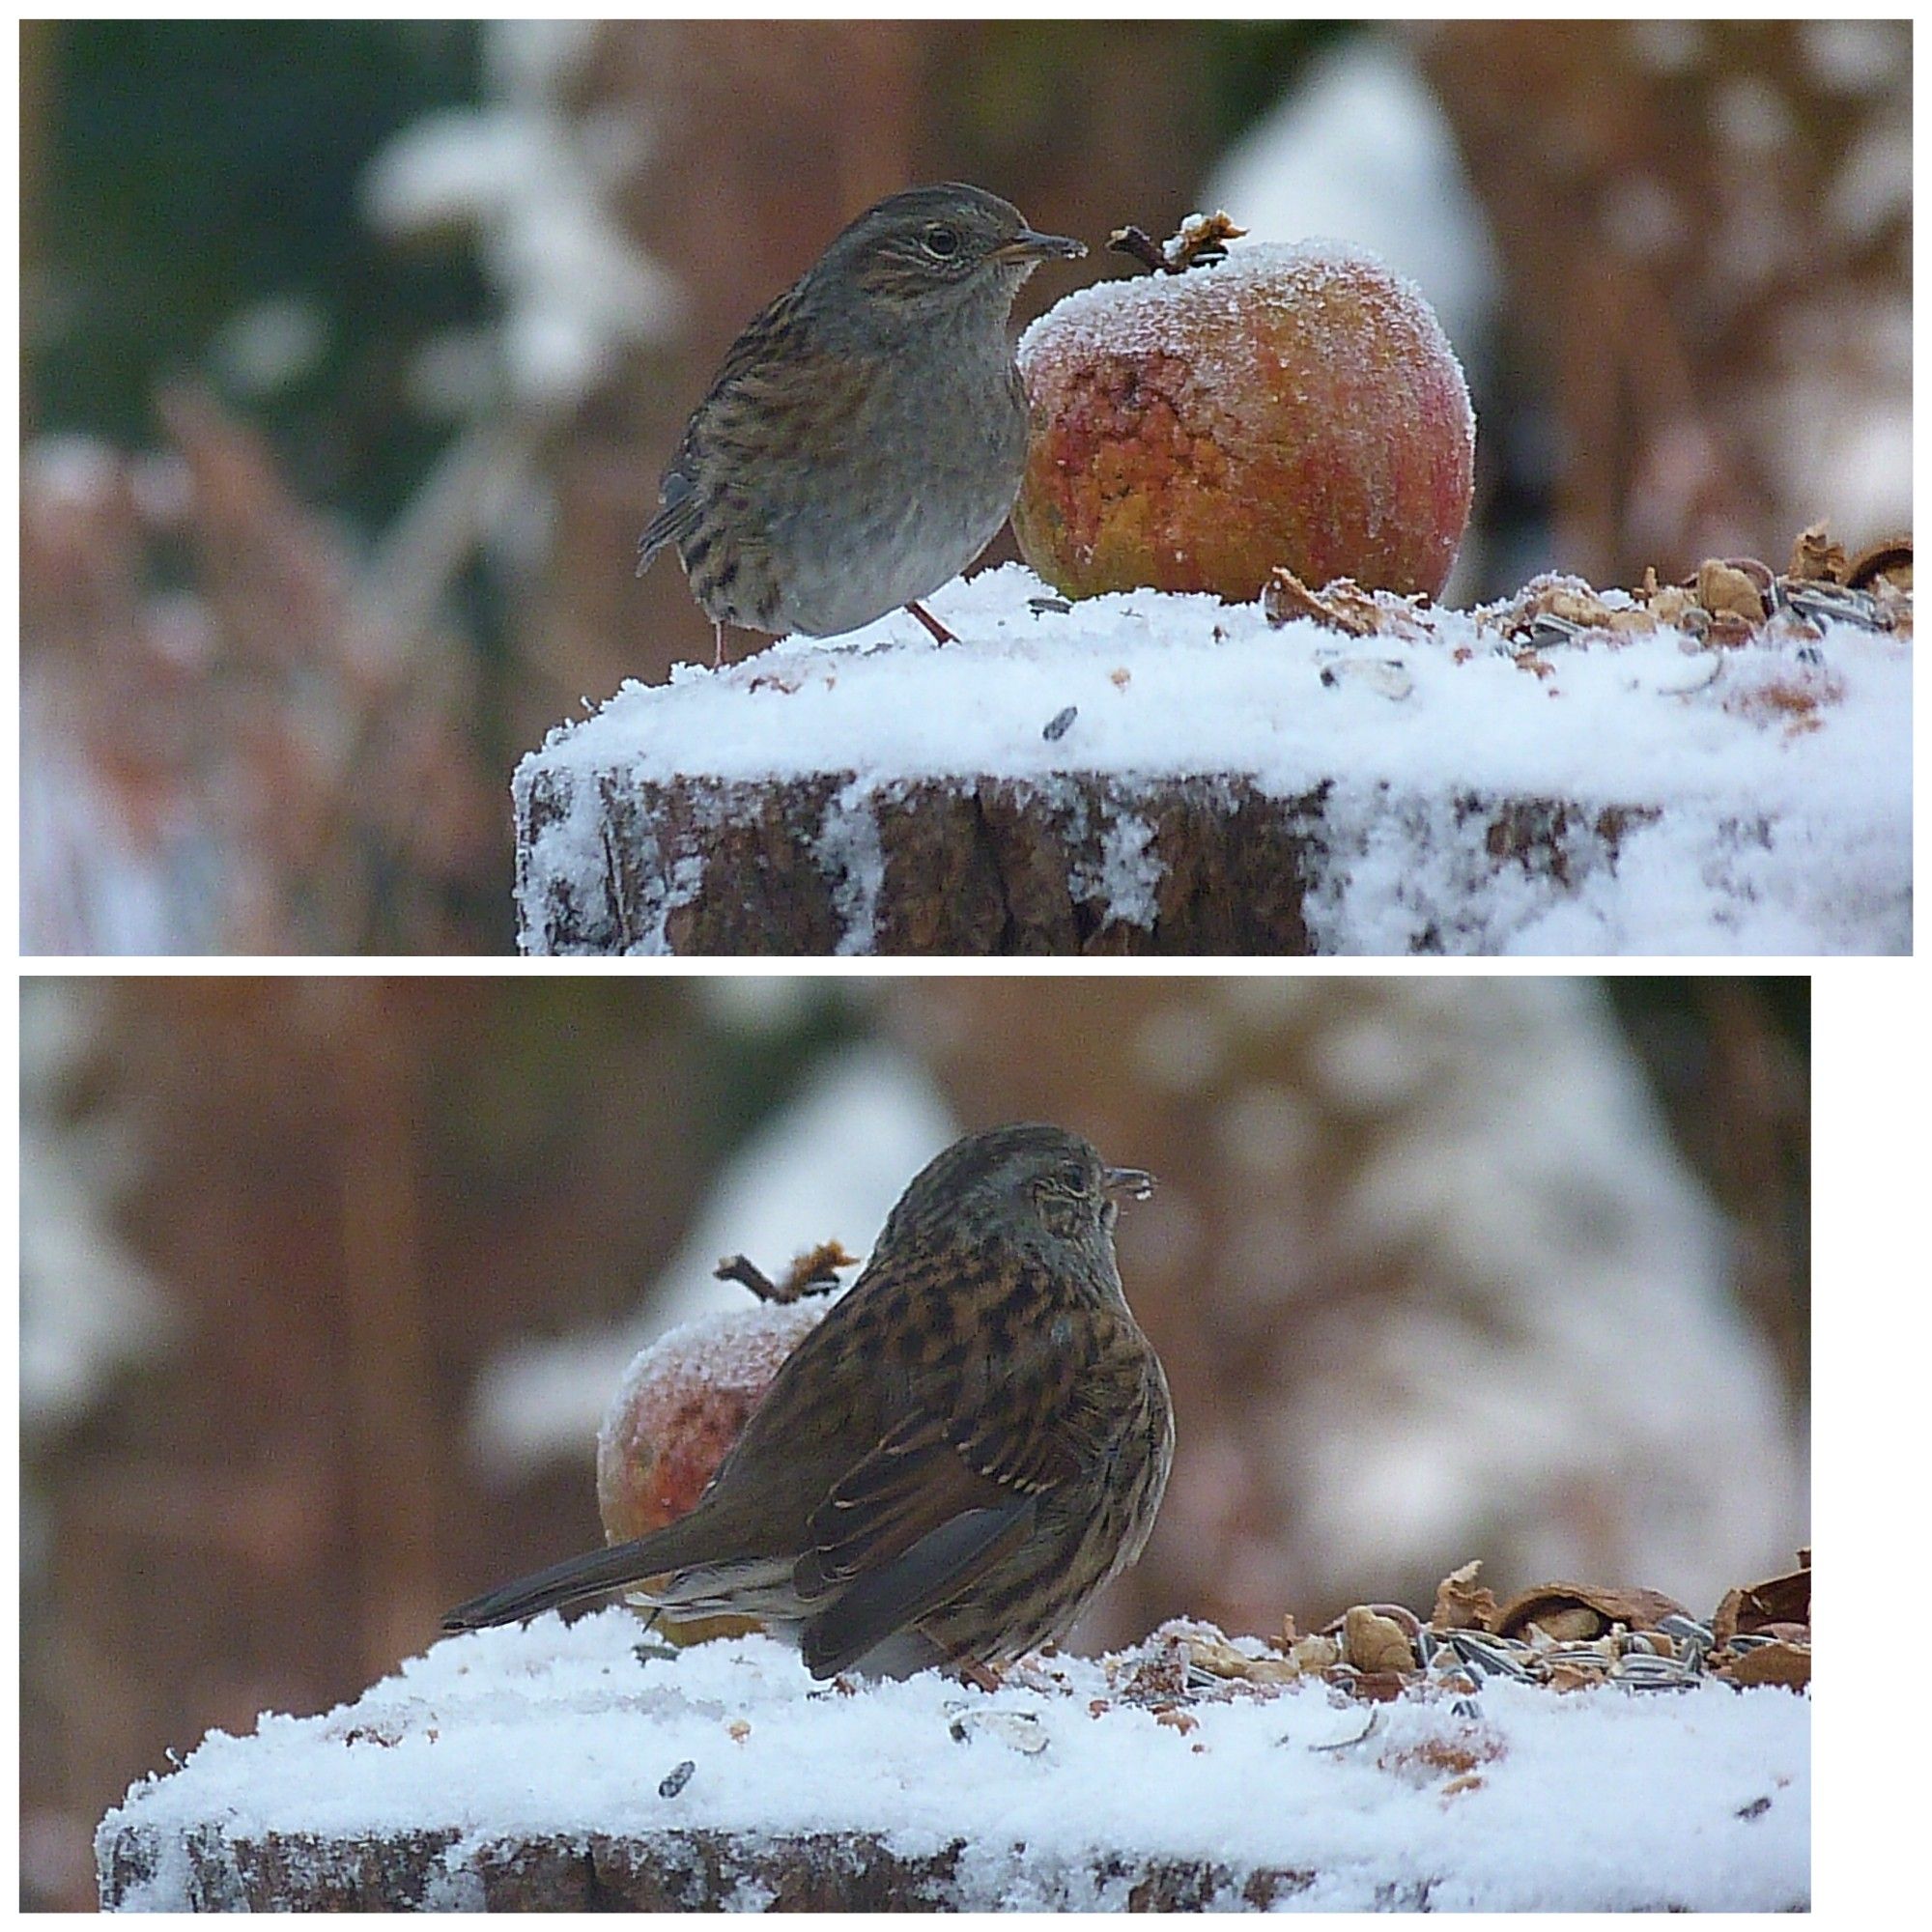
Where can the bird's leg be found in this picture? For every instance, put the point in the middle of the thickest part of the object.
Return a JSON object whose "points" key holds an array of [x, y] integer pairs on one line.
{"points": [[718, 643], [940, 633]]}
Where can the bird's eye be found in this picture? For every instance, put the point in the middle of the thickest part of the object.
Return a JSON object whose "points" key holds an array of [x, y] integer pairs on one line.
{"points": [[1071, 1180], [942, 240]]}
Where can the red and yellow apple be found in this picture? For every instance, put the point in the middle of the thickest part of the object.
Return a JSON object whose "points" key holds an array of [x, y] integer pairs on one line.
{"points": [[1297, 406]]}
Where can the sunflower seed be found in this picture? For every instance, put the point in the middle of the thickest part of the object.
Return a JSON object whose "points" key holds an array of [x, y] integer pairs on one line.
{"points": [[1487, 1657], [1687, 1630], [1549, 629], [1833, 600]]}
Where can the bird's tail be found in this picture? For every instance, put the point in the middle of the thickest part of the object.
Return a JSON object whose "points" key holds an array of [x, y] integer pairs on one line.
{"points": [[579, 1577]]}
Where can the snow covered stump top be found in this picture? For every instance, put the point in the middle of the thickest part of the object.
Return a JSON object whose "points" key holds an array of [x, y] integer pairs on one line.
{"points": [[1152, 771], [565, 1767]]}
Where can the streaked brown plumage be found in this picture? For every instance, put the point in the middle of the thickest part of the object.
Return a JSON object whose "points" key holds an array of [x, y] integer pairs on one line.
{"points": [[864, 439], [947, 1468]]}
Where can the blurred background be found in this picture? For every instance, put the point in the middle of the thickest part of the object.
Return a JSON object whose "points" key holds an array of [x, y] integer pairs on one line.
{"points": [[325, 1285], [352, 352]]}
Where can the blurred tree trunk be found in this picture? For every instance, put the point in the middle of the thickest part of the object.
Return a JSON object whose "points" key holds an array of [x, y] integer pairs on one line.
{"points": [[1706, 229], [389, 1424], [350, 1191]]}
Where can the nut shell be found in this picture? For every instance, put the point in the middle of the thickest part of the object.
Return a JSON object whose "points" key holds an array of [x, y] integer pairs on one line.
{"points": [[1570, 1610]]}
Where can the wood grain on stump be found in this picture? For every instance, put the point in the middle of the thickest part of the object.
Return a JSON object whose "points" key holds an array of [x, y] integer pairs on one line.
{"points": [[1078, 862], [671, 1871]]}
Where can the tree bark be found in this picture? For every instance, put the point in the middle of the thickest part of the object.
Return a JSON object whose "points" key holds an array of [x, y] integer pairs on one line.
{"points": [[1077, 863], [672, 1871]]}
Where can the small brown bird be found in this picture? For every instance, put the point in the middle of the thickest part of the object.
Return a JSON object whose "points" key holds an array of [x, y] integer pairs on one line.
{"points": [[864, 437], [948, 1467]]}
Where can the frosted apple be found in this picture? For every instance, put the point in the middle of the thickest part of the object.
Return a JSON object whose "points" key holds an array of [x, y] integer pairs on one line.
{"points": [[1286, 405], [680, 1406]]}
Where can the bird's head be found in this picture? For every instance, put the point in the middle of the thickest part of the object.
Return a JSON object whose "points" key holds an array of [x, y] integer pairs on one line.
{"points": [[1019, 1180], [933, 249]]}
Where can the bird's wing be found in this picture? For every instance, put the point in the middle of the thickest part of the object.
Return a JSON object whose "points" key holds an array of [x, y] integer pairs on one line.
{"points": [[898, 1536], [754, 375], [774, 329], [944, 1496], [884, 1603], [674, 521]]}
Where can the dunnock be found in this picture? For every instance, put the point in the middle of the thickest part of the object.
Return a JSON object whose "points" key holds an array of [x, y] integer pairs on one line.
{"points": [[865, 439], [953, 1461]]}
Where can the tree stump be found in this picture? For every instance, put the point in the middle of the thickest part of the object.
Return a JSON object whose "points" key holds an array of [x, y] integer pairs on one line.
{"points": [[1080, 864], [671, 1871], [583, 1768], [1158, 774]]}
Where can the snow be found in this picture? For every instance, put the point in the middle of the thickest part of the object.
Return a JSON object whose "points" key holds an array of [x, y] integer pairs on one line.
{"points": [[1509, 1139], [1670, 47], [1846, 411], [1851, 57], [1776, 832], [712, 1352], [271, 344], [850, 855], [1873, 188], [1128, 875], [65, 470], [1602, 1799]]}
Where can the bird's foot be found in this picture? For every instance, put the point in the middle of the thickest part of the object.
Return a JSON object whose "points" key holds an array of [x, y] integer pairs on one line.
{"points": [[981, 1675], [940, 633]]}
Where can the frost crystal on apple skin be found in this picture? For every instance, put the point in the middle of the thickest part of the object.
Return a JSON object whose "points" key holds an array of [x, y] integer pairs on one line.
{"points": [[1135, 315], [681, 1405], [1286, 405]]}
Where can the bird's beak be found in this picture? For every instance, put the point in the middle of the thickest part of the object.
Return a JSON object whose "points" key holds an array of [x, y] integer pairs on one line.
{"points": [[1030, 245], [1133, 1181]]}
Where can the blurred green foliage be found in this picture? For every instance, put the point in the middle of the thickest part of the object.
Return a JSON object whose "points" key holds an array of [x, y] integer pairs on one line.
{"points": [[194, 169], [1251, 64]]}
